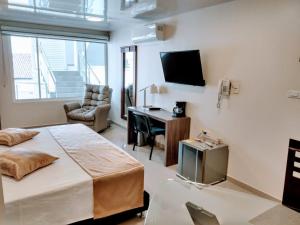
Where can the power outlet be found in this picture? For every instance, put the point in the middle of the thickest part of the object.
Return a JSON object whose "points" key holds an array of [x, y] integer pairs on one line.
{"points": [[294, 94]]}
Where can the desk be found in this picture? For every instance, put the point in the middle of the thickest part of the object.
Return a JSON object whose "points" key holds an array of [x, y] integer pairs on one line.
{"points": [[177, 129]]}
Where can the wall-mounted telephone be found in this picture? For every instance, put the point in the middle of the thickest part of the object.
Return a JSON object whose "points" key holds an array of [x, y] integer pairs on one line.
{"points": [[224, 90]]}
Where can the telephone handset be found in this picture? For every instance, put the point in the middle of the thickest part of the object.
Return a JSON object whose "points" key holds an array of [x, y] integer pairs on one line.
{"points": [[224, 90]]}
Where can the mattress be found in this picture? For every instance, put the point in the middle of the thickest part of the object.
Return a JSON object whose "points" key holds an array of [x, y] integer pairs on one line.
{"points": [[60, 193]]}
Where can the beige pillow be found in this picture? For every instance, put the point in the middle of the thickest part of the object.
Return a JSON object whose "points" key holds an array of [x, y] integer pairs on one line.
{"points": [[19, 162], [14, 136]]}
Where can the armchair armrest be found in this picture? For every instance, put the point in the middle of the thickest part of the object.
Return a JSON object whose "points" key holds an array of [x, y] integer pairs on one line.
{"points": [[101, 115], [102, 109], [71, 106]]}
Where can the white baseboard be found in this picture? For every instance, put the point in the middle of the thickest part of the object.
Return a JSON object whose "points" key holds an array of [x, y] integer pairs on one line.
{"points": [[252, 189], [118, 124]]}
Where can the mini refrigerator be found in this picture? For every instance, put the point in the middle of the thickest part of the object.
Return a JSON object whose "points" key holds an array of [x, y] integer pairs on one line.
{"points": [[201, 163]]}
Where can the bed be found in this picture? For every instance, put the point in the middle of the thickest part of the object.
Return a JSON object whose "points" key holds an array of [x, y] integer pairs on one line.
{"points": [[63, 192]]}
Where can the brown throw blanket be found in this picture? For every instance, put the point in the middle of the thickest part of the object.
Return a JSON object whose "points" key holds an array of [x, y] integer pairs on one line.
{"points": [[118, 178]]}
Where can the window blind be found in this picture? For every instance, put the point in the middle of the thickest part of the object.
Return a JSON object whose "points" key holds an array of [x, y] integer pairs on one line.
{"points": [[48, 31]]}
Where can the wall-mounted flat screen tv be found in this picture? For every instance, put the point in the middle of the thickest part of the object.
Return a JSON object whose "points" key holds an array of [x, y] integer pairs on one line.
{"points": [[183, 67]]}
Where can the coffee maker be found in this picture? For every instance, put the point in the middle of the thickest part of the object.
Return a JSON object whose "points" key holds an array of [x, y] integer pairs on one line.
{"points": [[179, 109]]}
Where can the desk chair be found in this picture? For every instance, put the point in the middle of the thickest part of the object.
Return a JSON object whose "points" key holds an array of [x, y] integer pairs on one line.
{"points": [[142, 124]]}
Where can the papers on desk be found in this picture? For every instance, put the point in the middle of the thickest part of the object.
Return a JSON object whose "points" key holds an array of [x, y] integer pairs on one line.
{"points": [[168, 206]]}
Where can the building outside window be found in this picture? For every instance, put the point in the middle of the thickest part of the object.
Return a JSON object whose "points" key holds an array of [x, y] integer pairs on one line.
{"points": [[47, 68]]}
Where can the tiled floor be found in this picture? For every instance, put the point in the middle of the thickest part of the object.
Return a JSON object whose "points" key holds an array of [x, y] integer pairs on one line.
{"points": [[156, 173]]}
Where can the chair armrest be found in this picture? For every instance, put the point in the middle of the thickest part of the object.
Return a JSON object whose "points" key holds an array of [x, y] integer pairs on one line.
{"points": [[71, 106], [101, 115], [102, 109]]}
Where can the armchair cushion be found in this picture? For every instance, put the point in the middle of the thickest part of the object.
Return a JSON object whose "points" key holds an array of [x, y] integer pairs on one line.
{"points": [[82, 114], [96, 95]]}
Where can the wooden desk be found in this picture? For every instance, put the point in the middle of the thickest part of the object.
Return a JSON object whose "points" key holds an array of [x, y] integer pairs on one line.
{"points": [[177, 129]]}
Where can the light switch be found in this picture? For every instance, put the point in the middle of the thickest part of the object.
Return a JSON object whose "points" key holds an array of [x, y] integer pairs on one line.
{"points": [[293, 94], [235, 87]]}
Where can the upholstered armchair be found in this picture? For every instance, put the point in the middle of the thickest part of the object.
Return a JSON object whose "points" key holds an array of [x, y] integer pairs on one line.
{"points": [[94, 110]]}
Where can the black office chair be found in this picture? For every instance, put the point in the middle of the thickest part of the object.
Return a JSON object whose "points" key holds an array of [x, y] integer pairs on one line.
{"points": [[142, 124]]}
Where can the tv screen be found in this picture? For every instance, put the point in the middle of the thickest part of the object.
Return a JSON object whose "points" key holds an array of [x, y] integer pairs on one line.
{"points": [[183, 67]]}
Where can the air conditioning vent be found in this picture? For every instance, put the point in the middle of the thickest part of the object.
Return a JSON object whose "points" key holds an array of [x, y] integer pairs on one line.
{"points": [[152, 32]]}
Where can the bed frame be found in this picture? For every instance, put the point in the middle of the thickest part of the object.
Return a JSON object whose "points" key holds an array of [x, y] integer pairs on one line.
{"points": [[120, 217]]}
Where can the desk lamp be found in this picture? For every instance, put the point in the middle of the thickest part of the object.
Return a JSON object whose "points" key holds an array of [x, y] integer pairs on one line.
{"points": [[153, 90]]}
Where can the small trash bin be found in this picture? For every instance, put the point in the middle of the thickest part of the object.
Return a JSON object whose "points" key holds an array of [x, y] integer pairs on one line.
{"points": [[141, 139]]}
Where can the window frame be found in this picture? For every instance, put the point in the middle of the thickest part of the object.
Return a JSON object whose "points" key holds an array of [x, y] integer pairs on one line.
{"points": [[8, 67]]}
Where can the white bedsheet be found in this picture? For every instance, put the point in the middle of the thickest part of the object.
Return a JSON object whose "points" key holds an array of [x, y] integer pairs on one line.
{"points": [[58, 194]]}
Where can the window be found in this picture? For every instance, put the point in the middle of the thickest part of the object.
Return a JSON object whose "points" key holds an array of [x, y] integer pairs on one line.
{"points": [[52, 68]]}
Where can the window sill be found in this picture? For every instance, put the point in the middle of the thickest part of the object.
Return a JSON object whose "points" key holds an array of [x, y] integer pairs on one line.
{"points": [[24, 101]]}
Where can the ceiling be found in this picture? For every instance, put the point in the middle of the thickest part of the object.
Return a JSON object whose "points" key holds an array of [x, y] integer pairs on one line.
{"points": [[96, 14]]}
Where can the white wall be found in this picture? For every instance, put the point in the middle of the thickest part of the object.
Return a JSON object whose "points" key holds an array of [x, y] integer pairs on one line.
{"points": [[31, 114], [256, 42], [115, 73]]}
